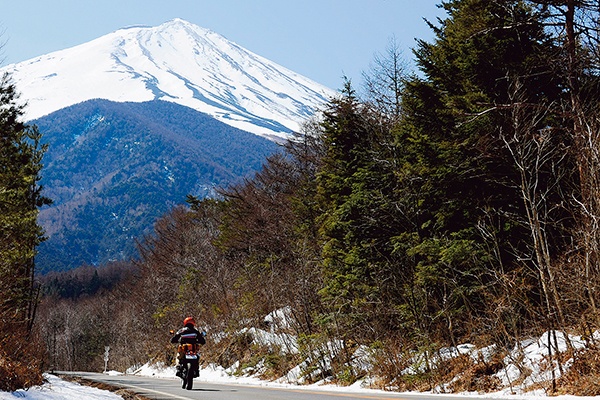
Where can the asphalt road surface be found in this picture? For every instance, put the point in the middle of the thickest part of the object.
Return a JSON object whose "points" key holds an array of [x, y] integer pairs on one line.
{"points": [[169, 389]]}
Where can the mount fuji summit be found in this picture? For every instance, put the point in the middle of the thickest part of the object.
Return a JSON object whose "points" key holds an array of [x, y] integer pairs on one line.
{"points": [[177, 62]]}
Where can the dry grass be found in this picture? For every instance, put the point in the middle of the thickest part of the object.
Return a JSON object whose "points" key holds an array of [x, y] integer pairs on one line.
{"points": [[20, 361], [458, 374], [467, 375], [583, 377]]}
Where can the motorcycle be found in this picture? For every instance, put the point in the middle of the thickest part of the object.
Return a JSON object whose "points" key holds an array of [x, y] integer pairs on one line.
{"points": [[188, 366], [188, 363]]}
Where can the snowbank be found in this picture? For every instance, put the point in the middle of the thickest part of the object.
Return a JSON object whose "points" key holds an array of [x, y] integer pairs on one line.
{"points": [[58, 389], [524, 367]]}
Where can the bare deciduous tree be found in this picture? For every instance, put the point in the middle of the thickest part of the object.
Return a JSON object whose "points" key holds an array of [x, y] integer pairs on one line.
{"points": [[384, 81]]}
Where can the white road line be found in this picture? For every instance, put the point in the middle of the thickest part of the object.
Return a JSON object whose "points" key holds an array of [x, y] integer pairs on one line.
{"points": [[138, 388]]}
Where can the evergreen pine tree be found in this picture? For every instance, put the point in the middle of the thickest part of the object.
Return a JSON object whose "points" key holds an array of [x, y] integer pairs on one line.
{"points": [[354, 189], [20, 197]]}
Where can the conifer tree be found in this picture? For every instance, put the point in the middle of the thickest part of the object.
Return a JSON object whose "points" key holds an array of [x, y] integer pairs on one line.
{"points": [[20, 197], [489, 59], [354, 190]]}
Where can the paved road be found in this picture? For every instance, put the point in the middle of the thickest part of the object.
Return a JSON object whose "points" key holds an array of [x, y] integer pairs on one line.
{"points": [[169, 389]]}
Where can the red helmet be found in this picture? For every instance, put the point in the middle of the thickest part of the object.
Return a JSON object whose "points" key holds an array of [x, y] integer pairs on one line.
{"points": [[189, 320]]}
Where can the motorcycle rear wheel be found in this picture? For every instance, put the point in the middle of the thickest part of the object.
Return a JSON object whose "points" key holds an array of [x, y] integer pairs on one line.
{"points": [[188, 377]]}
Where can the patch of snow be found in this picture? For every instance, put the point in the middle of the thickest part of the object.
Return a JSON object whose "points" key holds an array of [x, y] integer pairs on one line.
{"points": [[286, 342], [58, 389], [279, 319]]}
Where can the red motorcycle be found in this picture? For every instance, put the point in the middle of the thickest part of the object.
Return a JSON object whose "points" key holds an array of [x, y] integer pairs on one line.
{"points": [[188, 366]]}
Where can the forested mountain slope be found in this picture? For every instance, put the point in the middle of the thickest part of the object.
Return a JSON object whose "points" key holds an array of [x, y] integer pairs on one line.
{"points": [[113, 168]]}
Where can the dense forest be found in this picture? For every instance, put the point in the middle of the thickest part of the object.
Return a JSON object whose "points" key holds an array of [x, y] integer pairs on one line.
{"points": [[457, 204], [113, 168]]}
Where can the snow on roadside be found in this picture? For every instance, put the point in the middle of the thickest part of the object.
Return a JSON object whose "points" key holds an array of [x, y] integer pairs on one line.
{"points": [[522, 368], [58, 389], [526, 365]]}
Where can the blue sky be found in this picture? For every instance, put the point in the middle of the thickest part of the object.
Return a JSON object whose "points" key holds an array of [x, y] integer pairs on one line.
{"points": [[321, 39]]}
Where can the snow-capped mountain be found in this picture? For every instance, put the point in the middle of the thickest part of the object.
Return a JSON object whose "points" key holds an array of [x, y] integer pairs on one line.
{"points": [[177, 62]]}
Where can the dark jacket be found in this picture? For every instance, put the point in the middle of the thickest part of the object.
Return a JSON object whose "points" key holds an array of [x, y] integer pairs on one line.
{"points": [[188, 334]]}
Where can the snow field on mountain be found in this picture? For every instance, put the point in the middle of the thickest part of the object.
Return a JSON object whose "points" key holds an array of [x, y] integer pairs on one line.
{"points": [[179, 62]]}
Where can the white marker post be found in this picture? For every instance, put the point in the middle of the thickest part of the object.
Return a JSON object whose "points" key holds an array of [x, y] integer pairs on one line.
{"points": [[106, 350]]}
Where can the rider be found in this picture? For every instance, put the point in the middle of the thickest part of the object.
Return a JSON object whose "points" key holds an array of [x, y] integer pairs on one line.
{"points": [[188, 335]]}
